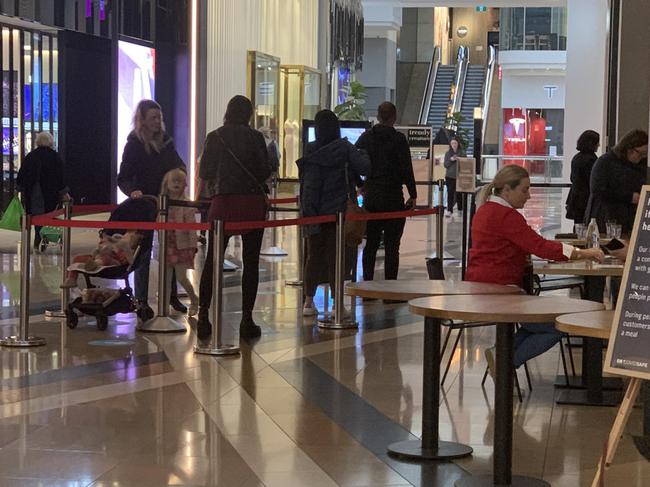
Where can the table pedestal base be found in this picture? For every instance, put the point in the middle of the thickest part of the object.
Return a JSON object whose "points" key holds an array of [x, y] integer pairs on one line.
{"points": [[412, 450], [580, 397], [609, 383], [488, 481]]}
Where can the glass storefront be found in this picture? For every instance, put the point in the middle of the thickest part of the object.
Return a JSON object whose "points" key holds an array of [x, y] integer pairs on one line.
{"points": [[263, 91], [533, 29], [29, 96], [300, 99]]}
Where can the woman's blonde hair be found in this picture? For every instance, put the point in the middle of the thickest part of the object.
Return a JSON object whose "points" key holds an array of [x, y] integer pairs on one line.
{"points": [[164, 187], [141, 110], [510, 175]]}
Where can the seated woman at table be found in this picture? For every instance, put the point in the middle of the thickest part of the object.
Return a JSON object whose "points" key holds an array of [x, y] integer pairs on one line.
{"points": [[501, 244]]}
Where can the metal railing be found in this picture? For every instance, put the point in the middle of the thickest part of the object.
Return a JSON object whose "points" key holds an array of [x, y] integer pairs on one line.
{"points": [[458, 86], [542, 169], [487, 88], [430, 84]]}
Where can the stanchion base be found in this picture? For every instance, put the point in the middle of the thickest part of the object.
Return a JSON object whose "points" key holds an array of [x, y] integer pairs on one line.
{"points": [[488, 481], [17, 342], [274, 251], [331, 324], [54, 313], [579, 397], [412, 450], [219, 350], [295, 283], [161, 324]]}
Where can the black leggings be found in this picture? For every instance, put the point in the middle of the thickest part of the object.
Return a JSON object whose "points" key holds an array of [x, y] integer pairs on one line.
{"points": [[252, 243]]}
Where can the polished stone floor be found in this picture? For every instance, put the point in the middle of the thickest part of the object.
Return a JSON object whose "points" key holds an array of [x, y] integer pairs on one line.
{"points": [[299, 407]]}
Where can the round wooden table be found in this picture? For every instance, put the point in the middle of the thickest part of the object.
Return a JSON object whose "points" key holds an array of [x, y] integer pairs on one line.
{"points": [[594, 327], [611, 268], [504, 311], [421, 288], [429, 447]]}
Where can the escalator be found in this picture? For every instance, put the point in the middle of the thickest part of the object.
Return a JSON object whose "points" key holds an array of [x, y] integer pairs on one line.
{"points": [[472, 98], [440, 96]]}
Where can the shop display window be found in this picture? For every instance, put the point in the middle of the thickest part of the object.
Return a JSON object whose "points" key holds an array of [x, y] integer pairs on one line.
{"points": [[300, 99], [29, 97], [263, 82], [536, 134]]}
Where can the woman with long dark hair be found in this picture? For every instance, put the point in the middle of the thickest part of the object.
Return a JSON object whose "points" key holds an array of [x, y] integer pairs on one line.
{"points": [[234, 167], [328, 173], [581, 166], [451, 174]]}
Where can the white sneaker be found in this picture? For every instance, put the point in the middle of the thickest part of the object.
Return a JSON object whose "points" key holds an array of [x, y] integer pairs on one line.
{"points": [[309, 310], [448, 214], [490, 356]]}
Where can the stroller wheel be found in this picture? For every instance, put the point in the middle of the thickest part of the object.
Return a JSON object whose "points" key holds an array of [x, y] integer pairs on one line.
{"points": [[42, 247], [71, 319], [102, 322]]}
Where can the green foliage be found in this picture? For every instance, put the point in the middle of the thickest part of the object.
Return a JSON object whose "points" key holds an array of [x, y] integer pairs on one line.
{"points": [[452, 122], [353, 108]]}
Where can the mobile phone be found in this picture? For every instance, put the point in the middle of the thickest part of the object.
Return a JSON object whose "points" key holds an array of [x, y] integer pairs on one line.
{"points": [[613, 244]]}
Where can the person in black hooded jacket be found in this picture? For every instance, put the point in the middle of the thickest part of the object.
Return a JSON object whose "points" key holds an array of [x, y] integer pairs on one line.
{"points": [[581, 166], [148, 155], [324, 191], [391, 167]]}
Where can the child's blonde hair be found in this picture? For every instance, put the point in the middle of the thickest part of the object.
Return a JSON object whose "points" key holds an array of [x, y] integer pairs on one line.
{"points": [[164, 187]]}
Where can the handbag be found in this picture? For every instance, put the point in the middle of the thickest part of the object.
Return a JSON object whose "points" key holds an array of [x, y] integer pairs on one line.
{"points": [[11, 218], [354, 229]]}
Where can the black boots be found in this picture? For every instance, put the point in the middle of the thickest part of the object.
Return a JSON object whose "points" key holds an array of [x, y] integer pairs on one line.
{"points": [[203, 325], [248, 328]]}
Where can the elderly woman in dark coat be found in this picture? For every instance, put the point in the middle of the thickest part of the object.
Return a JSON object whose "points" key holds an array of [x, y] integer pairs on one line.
{"points": [[323, 191], [40, 179], [616, 181], [581, 166]]}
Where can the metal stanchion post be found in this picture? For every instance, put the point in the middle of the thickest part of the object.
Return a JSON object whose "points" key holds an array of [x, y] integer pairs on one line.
{"points": [[301, 260], [440, 219], [216, 345], [23, 339], [65, 258], [274, 250], [339, 322], [162, 322]]}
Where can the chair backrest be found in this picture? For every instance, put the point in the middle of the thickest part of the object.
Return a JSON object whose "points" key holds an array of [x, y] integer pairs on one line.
{"points": [[435, 269]]}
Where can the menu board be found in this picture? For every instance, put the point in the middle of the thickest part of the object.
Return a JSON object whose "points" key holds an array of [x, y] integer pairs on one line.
{"points": [[466, 175], [629, 342]]}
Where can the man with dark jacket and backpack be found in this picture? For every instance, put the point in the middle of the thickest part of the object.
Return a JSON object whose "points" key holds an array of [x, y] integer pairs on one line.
{"points": [[391, 167]]}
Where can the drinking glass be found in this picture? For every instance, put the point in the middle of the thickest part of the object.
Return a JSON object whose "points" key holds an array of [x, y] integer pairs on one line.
{"points": [[581, 230], [610, 226], [617, 230]]}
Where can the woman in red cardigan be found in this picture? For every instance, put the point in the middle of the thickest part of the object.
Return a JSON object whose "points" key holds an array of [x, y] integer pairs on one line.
{"points": [[501, 244]]}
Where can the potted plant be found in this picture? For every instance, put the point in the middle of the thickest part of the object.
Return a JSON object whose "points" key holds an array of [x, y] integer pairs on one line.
{"points": [[353, 108]]}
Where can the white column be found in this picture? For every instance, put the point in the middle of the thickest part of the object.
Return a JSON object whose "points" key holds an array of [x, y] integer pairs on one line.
{"points": [[586, 72]]}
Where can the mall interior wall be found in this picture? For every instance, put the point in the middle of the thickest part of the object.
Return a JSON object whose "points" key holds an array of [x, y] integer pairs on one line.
{"points": [[634, 66], [586, 72], [287, 29]]}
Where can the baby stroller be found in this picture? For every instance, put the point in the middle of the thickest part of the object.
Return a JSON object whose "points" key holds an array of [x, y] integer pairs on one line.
{"points": [[102, 303]]}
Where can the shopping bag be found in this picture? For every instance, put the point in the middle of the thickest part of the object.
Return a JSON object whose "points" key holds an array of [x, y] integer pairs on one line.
{"points": [[11, 218]]}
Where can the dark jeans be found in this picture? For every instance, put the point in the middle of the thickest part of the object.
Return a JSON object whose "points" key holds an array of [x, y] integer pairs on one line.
{"points": [[321, 252], [392, 230], [252, 244], [452, 196], [141, 272], [533, 339]]}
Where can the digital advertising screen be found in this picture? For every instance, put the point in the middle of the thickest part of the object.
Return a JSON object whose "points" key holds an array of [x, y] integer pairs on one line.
{"points": [[351, 130], [136, 81]]}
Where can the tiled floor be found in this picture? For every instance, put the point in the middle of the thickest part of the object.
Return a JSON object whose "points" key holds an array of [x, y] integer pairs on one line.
{"points": [[299, 407]]}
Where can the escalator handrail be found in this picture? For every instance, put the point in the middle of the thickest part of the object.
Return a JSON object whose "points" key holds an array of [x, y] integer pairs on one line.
{"points": [[430, 84], [487, 87], [459, 82]]}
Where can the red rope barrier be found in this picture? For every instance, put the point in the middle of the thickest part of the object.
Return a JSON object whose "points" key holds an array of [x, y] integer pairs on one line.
{"points": [[389, 215], [39, 220], [283, 200]]}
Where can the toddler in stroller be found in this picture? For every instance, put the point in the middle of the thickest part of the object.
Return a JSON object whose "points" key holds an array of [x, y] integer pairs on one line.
{"points": [[115, 257]]}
